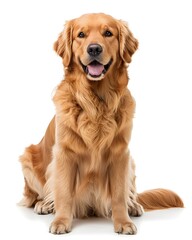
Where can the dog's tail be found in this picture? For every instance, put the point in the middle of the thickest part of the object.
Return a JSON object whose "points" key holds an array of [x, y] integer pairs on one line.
{"points": [[159, 199]]}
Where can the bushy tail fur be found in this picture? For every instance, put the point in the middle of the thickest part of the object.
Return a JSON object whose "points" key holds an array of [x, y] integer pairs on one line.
{"points": [[159, 199]]}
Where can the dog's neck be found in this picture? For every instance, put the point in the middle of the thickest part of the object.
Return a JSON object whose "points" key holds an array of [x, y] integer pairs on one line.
{"points": [[106, 92]]}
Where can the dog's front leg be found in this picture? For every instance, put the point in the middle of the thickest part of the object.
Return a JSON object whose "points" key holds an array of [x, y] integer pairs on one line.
{"points": [[119, 194], [63, 184]]}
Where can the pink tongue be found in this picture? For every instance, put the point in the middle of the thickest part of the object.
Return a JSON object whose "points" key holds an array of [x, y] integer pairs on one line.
{"points": [[95, 70]]}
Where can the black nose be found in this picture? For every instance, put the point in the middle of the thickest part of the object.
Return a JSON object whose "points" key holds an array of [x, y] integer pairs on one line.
{"points": [[94, 49]]}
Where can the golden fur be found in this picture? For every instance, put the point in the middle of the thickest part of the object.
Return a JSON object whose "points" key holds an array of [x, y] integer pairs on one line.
{"points": [[82, 166]]}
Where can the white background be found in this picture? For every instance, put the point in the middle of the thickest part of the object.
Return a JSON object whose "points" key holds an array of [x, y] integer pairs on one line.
{"points": [[160, 80]]}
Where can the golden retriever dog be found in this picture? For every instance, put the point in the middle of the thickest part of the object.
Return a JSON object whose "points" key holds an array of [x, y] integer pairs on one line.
{"points": [[82, 167]]}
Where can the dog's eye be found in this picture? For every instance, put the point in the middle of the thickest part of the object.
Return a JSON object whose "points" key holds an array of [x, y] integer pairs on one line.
{"points": [[108, 34], [81, 35]]}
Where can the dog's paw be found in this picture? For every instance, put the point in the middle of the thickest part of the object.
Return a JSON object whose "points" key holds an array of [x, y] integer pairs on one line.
{"points": [[60, 226], [135, 209], [125, 227], [42, 207]]}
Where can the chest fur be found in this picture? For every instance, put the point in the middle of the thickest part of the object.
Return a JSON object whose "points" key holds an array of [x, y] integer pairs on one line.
{"points": [[97, 132], [95, 120]]}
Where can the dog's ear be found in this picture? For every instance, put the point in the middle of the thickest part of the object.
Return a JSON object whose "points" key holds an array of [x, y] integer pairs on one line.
{"points": [[128, 44], [63, 45]]}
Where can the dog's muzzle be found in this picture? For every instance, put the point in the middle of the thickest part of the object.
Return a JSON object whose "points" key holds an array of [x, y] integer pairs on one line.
{"points": [[95, 70]]}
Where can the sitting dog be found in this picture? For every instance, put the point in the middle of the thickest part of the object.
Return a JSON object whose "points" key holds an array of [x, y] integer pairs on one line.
{"points": [[82, 166]]}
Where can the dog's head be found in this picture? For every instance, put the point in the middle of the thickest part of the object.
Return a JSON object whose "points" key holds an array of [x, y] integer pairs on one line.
{"points": [[95, 42]]}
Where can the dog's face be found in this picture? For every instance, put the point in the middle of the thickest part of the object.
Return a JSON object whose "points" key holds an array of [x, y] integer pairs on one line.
{"points": [[95, 42]]}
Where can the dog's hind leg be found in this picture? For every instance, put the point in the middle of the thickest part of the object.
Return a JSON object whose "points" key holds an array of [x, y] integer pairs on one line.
{"points": [[30, 196], [33, 189], [134, 208], [36, 190]]}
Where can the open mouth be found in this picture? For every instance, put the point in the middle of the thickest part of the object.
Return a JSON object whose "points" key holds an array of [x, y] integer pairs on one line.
{"points": [[95, 69]]}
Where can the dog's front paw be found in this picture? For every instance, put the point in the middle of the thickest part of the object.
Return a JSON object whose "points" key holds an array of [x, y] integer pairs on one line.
{"points": [[60, 226], [126, 227]]}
